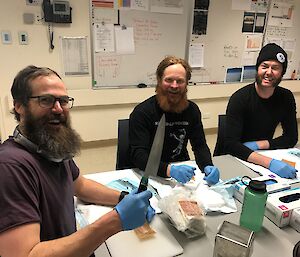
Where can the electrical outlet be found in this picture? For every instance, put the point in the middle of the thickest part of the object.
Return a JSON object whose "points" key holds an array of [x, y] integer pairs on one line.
{"points": [[23, 38], [39, 18]]}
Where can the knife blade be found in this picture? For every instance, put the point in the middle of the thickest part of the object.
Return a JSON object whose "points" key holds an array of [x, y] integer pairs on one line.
{"points": [[155, 154]]}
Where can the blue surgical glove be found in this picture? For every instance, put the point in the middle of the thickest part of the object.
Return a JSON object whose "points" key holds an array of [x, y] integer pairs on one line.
{"points": [[182, 173], [282, 169], [133, 209], [212, 175], [252, 145], [150, 214]]}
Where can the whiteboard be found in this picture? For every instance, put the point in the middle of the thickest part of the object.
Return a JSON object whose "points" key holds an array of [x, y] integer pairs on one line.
{"points": [[155, 36]]}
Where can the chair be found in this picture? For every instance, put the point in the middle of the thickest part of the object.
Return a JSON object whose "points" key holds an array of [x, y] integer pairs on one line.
{"points": [[220, 146], [123, 154]]}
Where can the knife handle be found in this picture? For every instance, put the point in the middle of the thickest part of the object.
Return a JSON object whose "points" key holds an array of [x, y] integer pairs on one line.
{"points": [[143, 184]]}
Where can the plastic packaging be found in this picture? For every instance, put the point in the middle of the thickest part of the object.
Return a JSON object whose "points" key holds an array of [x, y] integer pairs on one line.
{"points": [[254, 204], [185, 212]]}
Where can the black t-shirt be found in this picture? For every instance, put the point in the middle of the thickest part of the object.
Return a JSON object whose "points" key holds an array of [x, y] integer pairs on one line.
{"points": [[252, 118], [180, 128], [33, 189]]}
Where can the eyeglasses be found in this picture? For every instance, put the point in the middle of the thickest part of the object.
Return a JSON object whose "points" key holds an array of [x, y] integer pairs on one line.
{"points": [[48, 101]]}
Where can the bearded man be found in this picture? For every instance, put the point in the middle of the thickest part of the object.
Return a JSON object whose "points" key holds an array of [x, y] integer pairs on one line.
{"points": [[39, 178], [183, 124], [254, 112]]}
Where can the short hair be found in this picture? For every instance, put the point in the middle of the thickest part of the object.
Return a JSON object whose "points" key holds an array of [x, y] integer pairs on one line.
{"points": [[171, 60], [21, 88]]}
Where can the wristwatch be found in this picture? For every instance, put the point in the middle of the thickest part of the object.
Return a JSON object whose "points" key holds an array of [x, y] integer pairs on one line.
{"points": [[122, 195]]}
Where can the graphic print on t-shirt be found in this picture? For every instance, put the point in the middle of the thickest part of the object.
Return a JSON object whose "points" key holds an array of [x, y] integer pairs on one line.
{"points": [[180, 137]]}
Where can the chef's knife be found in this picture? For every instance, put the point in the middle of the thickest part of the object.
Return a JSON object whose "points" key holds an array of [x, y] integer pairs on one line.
{"points": [[155, 154]]}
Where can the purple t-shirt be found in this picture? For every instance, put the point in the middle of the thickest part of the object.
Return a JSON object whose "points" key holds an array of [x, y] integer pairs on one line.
{"points": [[34, 189]]}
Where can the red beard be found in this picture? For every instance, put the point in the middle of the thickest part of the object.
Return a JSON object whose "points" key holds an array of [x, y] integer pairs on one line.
{"points": [[172, 102]]}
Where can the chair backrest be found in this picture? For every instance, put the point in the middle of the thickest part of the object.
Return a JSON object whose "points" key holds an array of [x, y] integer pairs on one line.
{"points": [[123, 154], [220, 146]]}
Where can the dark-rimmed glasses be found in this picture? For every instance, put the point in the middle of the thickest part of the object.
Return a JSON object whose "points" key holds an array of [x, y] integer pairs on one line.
{"points": [[48, 101]]}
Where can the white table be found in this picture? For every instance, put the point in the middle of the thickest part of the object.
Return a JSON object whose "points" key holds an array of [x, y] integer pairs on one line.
{"points": [[102, 251], [270, 241]]}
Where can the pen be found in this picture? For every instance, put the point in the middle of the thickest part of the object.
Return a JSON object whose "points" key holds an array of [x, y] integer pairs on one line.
{"points": [[257, 172]]}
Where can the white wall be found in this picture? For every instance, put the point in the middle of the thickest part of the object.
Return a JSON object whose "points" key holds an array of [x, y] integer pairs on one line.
{"points": [[96, 112], [15, 57]]}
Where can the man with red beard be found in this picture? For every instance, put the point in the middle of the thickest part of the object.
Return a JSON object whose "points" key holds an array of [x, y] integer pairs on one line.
{"points": [[254, 112], [38, 178], [183, 123]]}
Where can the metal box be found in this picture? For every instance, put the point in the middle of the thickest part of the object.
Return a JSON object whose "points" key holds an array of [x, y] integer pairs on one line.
{"points": [[233, 241]]}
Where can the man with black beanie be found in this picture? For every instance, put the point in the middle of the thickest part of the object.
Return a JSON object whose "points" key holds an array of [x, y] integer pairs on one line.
{"points": [[254, 112]]}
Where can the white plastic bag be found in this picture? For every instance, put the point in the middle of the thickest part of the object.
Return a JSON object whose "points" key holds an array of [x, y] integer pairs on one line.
{"points": [[185, 212]]}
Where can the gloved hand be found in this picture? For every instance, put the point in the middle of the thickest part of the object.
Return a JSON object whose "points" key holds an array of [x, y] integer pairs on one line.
{"points": [[282, 169], [252, 145], [150, 214], [212, 175], [133, 209], [182, 173]]}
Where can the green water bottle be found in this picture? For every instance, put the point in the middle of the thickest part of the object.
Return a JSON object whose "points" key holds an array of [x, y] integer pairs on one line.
{"points": [[253, 210]]}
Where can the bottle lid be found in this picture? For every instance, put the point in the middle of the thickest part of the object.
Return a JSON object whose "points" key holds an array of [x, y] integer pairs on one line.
{"points": [[255, 185], [258, 186]]}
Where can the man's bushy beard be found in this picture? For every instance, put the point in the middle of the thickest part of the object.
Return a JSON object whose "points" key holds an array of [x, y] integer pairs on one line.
{"points": [[59, 143], [259, 80], [177, 106]]}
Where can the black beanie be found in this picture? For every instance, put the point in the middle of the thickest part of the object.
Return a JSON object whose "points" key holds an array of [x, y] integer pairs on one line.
{"points": [[272, 52]]}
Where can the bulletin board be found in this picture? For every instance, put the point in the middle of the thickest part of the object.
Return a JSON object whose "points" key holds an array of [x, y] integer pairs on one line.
{"points": [[224, 42], [155, 36]]}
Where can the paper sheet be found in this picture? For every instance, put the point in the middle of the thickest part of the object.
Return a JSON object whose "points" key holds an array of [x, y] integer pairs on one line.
{"points": [[104, 39], [253, 42], [196, 55], [75, 55], [166, 6], [124, 40], [281, 14]]}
